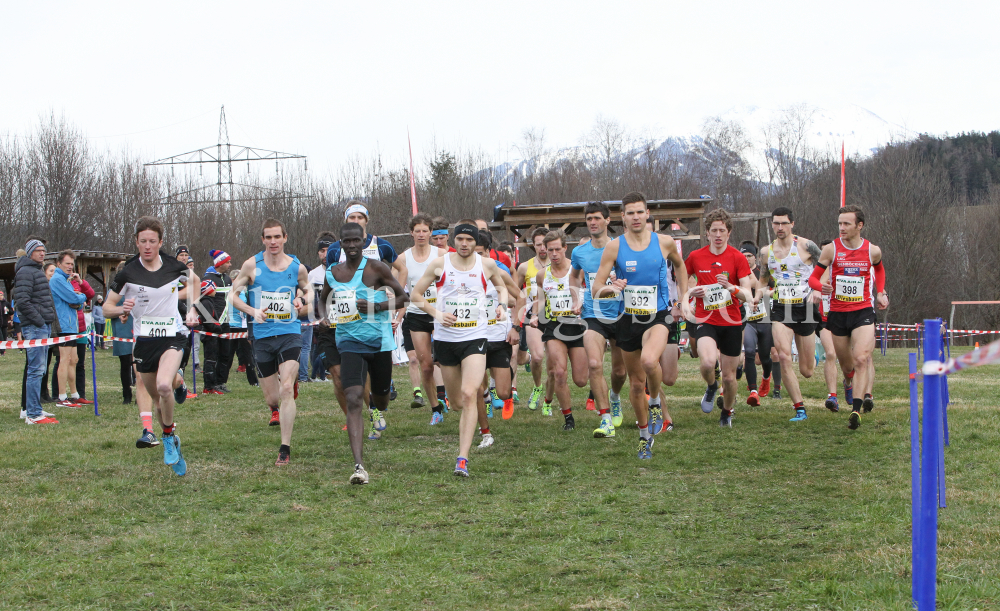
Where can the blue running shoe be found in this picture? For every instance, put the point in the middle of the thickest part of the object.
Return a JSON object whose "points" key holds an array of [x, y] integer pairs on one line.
{"points": [[849, 393], [171, 450], [148, 440], [645, 448], [831, 404], [655, 419], [800, 415], [489, 409], [436, 418], [180, 467], [180, 394], [495, 399], [462, 467], [515, 398], [616, 410]]}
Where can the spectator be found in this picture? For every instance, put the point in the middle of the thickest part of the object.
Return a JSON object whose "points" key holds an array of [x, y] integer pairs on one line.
{"points": [[218, 351], [98, 312], [121, 327], [67, 304], [84, 326], [4, 319], [50, 268], [35, 307], [195, 344]]}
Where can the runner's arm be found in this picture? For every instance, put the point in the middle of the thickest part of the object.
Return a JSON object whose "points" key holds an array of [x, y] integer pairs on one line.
{"points": [[671, 253], [815, 280], [386, 279], [765, 269], [576, 288], [604, 272], [306, 300], [495, 275], [881, 297], [536, 307], [813, 250], [512, 291], [242, 282], [111, 306]]}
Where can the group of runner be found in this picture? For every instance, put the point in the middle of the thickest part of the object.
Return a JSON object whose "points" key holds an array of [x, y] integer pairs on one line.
{"points": [[462, 309]]}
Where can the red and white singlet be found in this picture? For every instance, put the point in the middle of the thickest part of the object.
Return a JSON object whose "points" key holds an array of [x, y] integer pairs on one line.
{"points": [[462, 293], [851, 277]]}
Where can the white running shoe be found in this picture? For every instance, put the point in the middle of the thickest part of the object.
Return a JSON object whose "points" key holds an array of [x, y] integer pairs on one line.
{"points": [[487, 441], [360, 476]]}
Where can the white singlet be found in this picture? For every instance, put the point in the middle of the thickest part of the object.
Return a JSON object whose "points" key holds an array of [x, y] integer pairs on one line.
{"points": [[558, 295], [414, 270], [791, 275], [463, 294], [496, 330]]}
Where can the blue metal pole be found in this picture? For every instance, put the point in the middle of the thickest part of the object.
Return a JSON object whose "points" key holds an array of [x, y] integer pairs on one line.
{"points": [[93, 369], [914, 472], [929, 464]]}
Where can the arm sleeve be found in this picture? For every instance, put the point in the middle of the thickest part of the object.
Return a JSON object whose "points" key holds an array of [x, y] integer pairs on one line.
{"points": [[816, 279], [879, 277]]}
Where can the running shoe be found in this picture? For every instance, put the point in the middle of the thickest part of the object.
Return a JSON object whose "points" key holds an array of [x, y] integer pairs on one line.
{"points": [[668, 426], [569, 424], [547, 408], [800, 415], [192, 395], [67, 403], [606, 429], [616, 410], [486, 442], [418, 399], [275, 418], [777, 393], [82, 401], [436, 418], [179, 467], [171, 450], [24, 414], [765, 386], [720, 401], [211, 391], [360, 476], [753, 399], [495, 399], [645, 448], [223, 389], [515, 398], [45, 414], [536, 397], [708, 401], [377, 417], [147, 440], [241, 369], [527, 364], [489, 408], [868, 403], [180, 394], [373, 434], [655, 419], [854, 420], [591, 406], [508, 409], [726, 419], [849, 392], [392, 391], [41, 420], [462, 467], [831, 403], [283, 457], [447, 404]]}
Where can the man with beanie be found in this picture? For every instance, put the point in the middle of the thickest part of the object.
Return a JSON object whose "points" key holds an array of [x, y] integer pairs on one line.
{"points": [[218, 351], [36, 311]]}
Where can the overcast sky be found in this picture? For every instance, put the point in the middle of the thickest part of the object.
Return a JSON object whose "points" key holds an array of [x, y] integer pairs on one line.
{"points": [[332, 80]]}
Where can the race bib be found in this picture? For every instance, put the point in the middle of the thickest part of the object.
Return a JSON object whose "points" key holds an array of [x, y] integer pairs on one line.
{"points": [[757, 313], [826, 304], [276, 306], [790, 292], [466, 311], [157, 326], [346, 306], [560, 303], [430, 295], [716, 297], [491, 311], [850, 288], [606, 296], [640, 299]]}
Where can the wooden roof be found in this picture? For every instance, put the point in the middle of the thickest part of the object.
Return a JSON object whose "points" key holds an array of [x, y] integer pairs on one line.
{"points": [[97, 264]]}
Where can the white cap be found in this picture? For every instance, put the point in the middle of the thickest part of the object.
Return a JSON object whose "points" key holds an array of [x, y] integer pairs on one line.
{"points": [[356, 208]]}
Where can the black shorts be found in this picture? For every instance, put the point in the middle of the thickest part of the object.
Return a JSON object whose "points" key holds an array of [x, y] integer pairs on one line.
{"points": [[451, 354], [673, 333], [147, 352], [607, 328], [630, 329], [270, 352], [729, 339], [326, 347], [570, 334], [421, 323], [523, 345], [354, 366], [800, 318], [842, 324], [498, 354]]}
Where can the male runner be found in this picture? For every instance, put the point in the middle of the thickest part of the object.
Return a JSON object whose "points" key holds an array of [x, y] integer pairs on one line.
{"points": [[363, 332], [757, 338], [317, 278], [640, 258], [272, 278], [562, 328], [417, 325], [718, 317], [790, 260], [601, 317], [852, 261], [826, 340], [460, 325], [149, 283], [531, 338]]}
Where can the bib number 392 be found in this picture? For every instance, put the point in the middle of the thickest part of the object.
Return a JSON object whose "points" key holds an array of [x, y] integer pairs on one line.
{"points": [[641, 300]]}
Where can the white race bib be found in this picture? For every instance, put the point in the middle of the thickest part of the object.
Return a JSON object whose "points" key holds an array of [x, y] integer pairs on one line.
{"points": [[757, 312], [560, 303], [276, 306], [826, 304], [157, 326], [640, 299], [606, 296], [346, 306], [790, 292], [430, 295], [491, 311], [850, 288], [465, 309], [716, 297]]}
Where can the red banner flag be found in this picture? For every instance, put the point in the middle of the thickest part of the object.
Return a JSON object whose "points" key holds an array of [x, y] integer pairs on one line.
{"points": [[843, 182], [413, 184]]}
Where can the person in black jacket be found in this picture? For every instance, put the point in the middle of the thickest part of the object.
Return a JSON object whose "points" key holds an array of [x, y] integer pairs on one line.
{"points": [[36, 310], [218, 357], [5, 313]]}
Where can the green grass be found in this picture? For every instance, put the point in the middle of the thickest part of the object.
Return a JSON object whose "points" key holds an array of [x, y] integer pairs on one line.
{"points": [[767, 515]]}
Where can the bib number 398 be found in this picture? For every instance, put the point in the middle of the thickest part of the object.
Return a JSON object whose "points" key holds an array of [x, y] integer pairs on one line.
{"points": [[850, 288]]}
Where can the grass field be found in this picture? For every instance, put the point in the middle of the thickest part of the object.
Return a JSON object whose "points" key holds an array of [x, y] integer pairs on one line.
{"points": [[767, 515]]}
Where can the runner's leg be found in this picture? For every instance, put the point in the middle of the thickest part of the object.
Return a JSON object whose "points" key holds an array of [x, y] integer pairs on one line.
{"points": [[830, 364], [288, 372], [594, 343], [557, 364], [783, 342]]}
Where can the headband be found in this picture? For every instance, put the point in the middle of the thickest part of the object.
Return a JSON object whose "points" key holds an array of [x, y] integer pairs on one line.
{"points": [[469, 230], [356, 208], [323, 244], [440, 232]]}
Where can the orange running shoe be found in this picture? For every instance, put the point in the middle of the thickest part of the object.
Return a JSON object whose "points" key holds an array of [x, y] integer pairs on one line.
{"points": [[508, 409], [765, 386], [275, 419], [591, 406], [754, 399]]}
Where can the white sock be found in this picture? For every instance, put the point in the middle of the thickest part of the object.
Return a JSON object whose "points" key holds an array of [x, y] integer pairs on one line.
{"points": [[654, 401], [75, 395], [644, 432], [62, 397], [615, 396]]}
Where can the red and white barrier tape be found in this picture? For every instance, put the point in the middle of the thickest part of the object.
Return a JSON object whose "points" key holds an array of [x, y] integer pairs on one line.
{"points": [[37, 343], [980, 356]]}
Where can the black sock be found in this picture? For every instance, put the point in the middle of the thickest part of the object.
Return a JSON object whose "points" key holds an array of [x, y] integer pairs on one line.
{"points": [[765, 368], [591, 395], [283, 449], [857, 405], [438, 407], [440, 391], [714, 386]]}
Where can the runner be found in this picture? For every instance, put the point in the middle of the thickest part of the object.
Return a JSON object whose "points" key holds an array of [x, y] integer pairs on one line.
{"points": [[640, 258], [601, 317], [439, 233], [531, 351], [149, 284], [718, 318], [790, 260], [363, 331], [826, 341], [417, 325], [272, 279], [562, 328], [855, 266], [757, 338], [460, 335]]}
